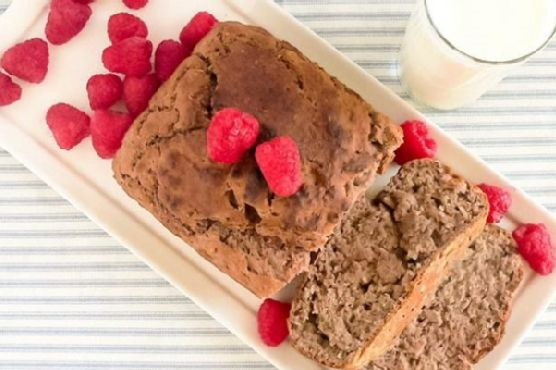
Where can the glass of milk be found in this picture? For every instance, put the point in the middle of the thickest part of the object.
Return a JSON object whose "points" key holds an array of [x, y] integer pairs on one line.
{"points": [[455, 50]]}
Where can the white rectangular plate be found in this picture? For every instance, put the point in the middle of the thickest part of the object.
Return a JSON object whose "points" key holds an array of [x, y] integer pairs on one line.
{"points": [[84, 179]]}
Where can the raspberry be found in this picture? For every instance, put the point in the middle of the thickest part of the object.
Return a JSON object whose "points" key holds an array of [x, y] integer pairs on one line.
{"points": [[138, 91], [196, 29], [104, 91], [499, 200], [272, 322], [230, 134], [416, 143], [280, 163], [9, 90], [122, 26], [68, 124], [27, 60], [130, 57], [107, 131], [535, 246], [84, 1], [65, 20], [168, 56], [135, 4]]}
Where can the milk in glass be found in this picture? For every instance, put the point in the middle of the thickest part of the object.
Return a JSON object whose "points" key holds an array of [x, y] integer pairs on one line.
{"points": [[455, 50]]}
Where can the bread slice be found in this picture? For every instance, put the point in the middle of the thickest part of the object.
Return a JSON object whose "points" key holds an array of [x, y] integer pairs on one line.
{"points": [[374, 275], [466, 318], [226, 211]]}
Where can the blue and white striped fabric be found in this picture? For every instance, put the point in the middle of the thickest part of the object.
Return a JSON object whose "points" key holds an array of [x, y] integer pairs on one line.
{"points": [[72, 298]]}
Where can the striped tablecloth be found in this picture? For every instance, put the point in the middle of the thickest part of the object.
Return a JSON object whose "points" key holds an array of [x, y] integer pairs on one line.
{"points": [[72, 298]]}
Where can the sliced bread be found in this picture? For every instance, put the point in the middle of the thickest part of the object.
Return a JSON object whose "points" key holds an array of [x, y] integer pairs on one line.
{"points": [[467, 316], [389, 255]]}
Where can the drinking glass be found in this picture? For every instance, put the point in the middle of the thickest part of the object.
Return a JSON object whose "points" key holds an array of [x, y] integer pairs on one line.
{"points": [[438, 74]]}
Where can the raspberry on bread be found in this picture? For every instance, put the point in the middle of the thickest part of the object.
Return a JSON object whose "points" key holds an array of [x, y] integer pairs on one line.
{"points": [[230, 135]]}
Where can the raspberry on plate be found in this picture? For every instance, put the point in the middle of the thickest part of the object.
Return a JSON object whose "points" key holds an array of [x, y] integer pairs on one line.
{"points": [[272, 322], [27, 60], [104, 90], [130, 57], [280, 163], [535, 246], [230, 134], [65, 20], [135, 4], [122, 26], [416, 143], [9, 91], [196, 29], [68, 124], [499, 200], [168, 56], [138, 91], [107, 131]]}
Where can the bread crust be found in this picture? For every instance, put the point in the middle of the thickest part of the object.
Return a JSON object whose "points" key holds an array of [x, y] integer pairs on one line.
{"points": [[226, 212]]}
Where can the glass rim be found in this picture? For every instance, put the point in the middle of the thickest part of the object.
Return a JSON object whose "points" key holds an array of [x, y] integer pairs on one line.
{"points": [[480, 60]]}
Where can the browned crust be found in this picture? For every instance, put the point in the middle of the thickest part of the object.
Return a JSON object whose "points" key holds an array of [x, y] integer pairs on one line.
{"points": [[137, 169], [228, 260]]}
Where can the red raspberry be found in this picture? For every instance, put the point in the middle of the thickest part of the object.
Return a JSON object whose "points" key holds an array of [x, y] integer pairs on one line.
{"points": [[535, 246], [499, 200], [104, 91], [196, 29], [416, 144], [130, 57], [84, 1], [168, 56], [65, 20], [280, 163], [135, 4], [68, 124], [272, 322], [122, 26], [9, 90], [231, 133], [108, 129], [138, 91], [27, 60]]}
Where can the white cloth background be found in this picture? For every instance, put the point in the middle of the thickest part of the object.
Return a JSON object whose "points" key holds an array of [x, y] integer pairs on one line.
{"points": [[72, 298]]}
